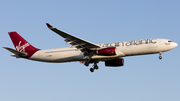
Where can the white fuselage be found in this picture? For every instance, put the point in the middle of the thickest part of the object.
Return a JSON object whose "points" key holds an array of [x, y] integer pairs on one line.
{"points": [[127, 48]]}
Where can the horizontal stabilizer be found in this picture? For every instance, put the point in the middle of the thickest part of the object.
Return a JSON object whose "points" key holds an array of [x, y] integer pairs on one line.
{"points": [[15, 51]]}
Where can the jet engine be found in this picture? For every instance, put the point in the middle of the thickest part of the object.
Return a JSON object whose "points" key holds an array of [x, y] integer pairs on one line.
{"points": [[107, 51], [115, 62]]}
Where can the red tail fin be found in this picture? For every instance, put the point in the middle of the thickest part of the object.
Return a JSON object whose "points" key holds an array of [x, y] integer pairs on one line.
{"points": [[21, 44]]}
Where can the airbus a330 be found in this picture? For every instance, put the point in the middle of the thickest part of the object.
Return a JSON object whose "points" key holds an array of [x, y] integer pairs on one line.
{"points": [[87, 52]]}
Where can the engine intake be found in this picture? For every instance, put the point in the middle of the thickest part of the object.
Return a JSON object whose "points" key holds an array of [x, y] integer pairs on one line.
{"points": [[115, 62]]}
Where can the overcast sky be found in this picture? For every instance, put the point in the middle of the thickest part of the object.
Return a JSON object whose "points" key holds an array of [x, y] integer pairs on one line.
{"points": [[142, 78]]}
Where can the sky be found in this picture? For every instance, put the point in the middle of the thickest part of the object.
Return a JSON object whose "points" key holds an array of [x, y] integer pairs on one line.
{"points": [[142, 78]]}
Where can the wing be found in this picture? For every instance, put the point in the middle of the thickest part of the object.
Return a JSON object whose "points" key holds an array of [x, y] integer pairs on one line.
{"points": [[75, 41]]}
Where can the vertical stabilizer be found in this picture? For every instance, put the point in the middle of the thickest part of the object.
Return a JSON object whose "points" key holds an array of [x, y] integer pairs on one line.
{"points": [[21, 44]]}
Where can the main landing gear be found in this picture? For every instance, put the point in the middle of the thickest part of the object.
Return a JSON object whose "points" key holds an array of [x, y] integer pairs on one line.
{"points": [[86, 63], [95, 66], [160, 57]]}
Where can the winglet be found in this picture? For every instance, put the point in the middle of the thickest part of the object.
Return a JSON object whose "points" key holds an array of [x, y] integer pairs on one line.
{"points": [[49, 26]]}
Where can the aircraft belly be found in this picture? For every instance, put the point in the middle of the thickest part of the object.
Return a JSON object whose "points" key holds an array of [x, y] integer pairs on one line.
{"points": [[65, 56], [139, 50], [145, 49]]}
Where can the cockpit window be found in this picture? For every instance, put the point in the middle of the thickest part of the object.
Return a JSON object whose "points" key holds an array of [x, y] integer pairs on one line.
{"points": [[169, 41]]}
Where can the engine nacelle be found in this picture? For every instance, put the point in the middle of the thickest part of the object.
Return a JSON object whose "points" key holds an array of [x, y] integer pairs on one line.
{"points": [[115, 62], [107, 51]]}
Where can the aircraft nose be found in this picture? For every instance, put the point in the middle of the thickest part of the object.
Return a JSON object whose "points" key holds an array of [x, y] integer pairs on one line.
{"points": [[175, 44]]}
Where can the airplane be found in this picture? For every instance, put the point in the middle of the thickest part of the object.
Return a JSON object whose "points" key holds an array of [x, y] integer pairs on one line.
{"points": [[87, 52]]}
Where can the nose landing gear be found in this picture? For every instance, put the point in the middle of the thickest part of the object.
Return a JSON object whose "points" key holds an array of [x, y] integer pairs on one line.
{"points": [[160, 57]]}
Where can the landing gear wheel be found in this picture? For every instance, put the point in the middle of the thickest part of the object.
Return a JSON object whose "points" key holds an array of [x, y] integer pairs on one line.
{"points": [[86, 63], [160, 57], [96, 67], [92, 69], [160, 53]]}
